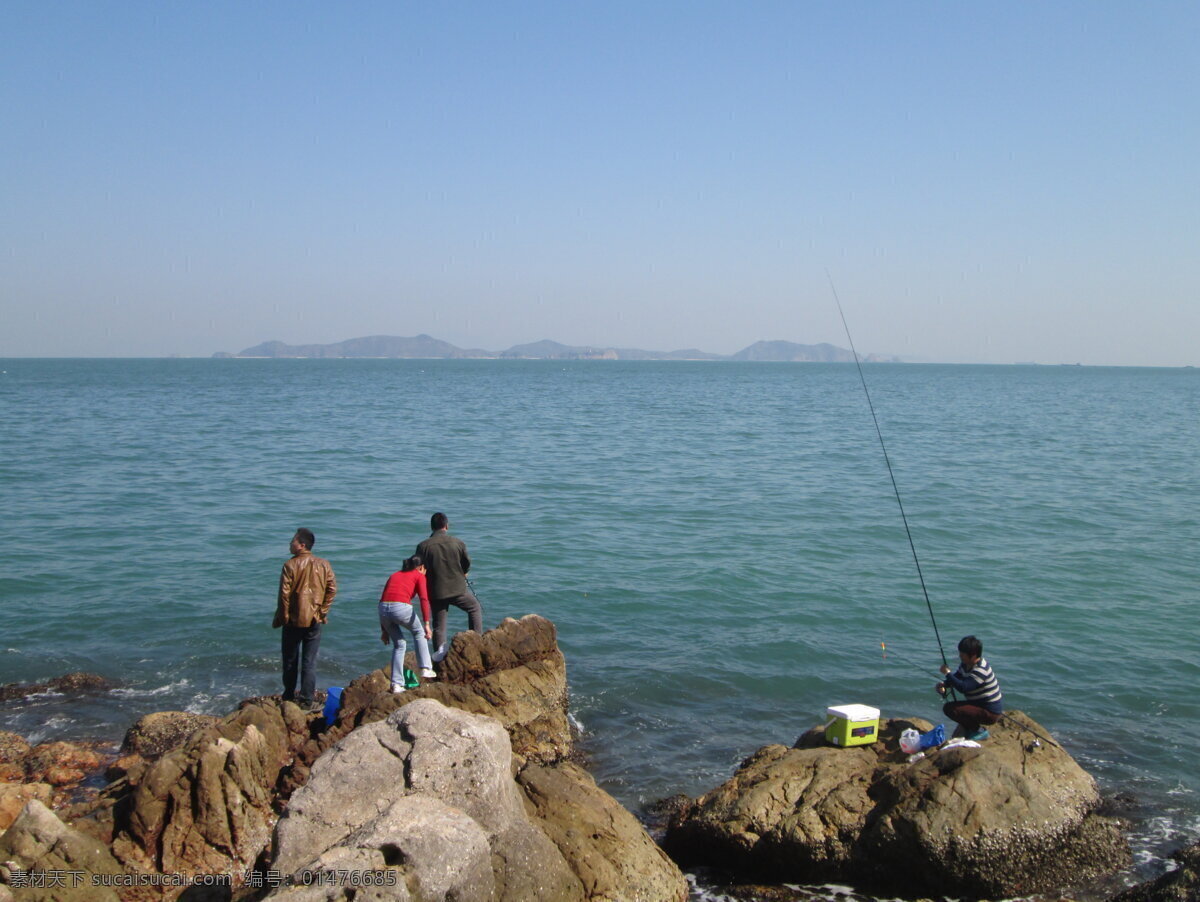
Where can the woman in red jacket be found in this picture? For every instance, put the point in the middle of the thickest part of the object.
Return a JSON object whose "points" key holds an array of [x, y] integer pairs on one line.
{"points": [[396, 613]]}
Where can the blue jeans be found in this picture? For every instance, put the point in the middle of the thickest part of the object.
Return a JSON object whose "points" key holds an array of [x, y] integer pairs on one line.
{"points": [[300, 645], [395, 617]]}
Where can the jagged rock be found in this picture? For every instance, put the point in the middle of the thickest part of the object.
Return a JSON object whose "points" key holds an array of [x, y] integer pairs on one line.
{"points": [[607, 849], [428, 796], [1179, 885], [39, 841], [1006, 819], [154, 735], [207, 806], [13, 797]]}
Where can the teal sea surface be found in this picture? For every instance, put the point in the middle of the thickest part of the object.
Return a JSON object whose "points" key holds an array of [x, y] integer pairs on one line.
{"points": [[718, 543]]}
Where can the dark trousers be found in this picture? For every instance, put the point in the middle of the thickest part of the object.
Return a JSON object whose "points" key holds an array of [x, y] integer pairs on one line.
{"points": [[969, 717], [440, 606], [300, 645]]}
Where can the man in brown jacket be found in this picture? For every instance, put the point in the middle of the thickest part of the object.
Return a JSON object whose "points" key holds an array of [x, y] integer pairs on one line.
{"points": [[306, 589]]}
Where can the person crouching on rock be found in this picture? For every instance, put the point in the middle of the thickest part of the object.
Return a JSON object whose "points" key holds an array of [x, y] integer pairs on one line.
{"points": [[396, 614], [975, 680]]}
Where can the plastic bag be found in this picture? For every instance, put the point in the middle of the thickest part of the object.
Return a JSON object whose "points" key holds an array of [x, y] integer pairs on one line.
{"points": [[910, 741], [934, 737]]}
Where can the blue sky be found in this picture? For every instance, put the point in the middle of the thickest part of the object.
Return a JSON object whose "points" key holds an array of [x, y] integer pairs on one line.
{"points": [[985, 182]]}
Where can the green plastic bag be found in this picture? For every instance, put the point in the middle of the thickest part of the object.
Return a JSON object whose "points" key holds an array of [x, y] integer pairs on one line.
{"points": [[410, 679]]}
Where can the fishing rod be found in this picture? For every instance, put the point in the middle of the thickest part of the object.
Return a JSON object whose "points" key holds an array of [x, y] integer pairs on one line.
{"points": [[900, 503], [911, 544]]}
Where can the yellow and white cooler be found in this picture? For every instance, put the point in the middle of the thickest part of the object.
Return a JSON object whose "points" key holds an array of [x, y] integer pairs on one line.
{"points": [[852, 725]]}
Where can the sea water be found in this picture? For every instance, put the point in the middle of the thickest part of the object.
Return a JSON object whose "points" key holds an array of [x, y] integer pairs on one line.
{"points": [[718, 543]]}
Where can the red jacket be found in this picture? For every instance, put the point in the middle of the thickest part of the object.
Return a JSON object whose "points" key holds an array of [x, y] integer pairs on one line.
{"points": [[403, 585]]}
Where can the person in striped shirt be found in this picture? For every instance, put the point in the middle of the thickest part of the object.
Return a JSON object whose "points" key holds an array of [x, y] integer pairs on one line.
{"points": [[982, 702]]}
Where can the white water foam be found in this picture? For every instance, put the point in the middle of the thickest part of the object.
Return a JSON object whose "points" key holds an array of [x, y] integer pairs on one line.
{"points": [[218, 703], [1156, 835], [53, 726], [827, 892], [150, 693]]}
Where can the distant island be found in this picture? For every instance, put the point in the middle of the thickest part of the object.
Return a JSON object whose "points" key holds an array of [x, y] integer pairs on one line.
{"points": [[426, 347]]}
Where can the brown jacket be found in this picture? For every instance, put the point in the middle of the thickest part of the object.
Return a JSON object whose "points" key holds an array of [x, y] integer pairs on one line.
{"points": [[306, 589]]}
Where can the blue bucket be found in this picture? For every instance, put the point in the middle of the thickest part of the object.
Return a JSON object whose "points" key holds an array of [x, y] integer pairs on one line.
{"points": [[333, 703]]}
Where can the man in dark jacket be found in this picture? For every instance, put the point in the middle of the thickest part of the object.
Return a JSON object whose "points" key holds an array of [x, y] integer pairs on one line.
{"points": [[446, 566], [306, 589]]}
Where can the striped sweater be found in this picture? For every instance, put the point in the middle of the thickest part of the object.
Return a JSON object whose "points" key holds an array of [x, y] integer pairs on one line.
{"points": [[978, 684]]}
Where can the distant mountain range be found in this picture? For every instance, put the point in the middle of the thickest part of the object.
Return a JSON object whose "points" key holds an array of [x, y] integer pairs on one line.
{"points": [[427, 347]]}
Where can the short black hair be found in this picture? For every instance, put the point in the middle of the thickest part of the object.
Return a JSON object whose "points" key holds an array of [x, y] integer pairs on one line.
{"points": [[412, 563], [969, 645], [438, 521], [306, 537]]}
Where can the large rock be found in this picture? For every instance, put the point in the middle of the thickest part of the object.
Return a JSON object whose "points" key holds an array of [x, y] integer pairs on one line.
{"points": [[514, 673], [426, 801], [153, 735], [428, 796], [1179, 885], [606, 847], [208, 806], [1015, 816], [39, 841]]}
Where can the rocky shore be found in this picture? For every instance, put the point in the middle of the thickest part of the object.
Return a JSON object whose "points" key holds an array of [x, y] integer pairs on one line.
{"points": [[467, 788]]}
